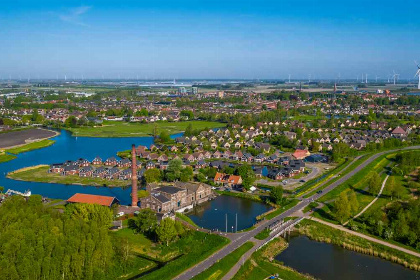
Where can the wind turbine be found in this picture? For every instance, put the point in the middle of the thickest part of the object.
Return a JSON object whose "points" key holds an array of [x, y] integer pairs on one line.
{"points": [[417, 73], [366, 78], [289, 78], [376, 78], [395, 76]]}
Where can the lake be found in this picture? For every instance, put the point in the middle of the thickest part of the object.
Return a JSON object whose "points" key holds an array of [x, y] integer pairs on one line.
{"points": [[65, 148], [212, 214], [330, 262]]}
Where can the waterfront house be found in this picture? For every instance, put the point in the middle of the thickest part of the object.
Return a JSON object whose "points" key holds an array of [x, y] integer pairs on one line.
{"points": [[99, 172], [97, 161], [86, 171], [125, 162], [112, 161]]}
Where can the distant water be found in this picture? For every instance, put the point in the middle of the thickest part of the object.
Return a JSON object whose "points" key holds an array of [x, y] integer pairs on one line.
{"points": [[413, 93], [331, 262], [65, 148]]}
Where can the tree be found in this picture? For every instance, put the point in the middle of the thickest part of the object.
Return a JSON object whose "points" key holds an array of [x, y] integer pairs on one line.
{"points": [[247, 175], [164, 137], [146, 221], [173, 172], [354, 203], [152, 175], [342, 208], [188, 114], [374, 182], [90, 212], [1, 189], [166, 231], [71, 122], [276, 194], [186, 174]]}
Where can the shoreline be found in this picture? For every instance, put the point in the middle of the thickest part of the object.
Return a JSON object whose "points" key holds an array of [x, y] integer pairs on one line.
{"points": [[56, 133], [49, 180]]}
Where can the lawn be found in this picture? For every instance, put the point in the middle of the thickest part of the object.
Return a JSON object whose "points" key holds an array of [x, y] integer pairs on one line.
{"points": [[126, 129], [40, 173], [6, 157], [271, 214], [31, 146], [185, 218], [222, 267]]}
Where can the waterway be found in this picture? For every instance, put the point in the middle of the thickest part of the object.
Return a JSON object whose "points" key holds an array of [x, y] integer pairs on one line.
{"points": [[65, 148], [330, 262], [213, 214]]}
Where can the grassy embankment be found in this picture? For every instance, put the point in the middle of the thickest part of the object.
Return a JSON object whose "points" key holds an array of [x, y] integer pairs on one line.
{"points": [[180, 255], [31, 146], [332, 179], [358, 183], [249, 196], [324, 233], [314, 183], [40, 173], [222, 267], [6, 157], [277, 211], [126, 129], [185, 218], [262, 264]]}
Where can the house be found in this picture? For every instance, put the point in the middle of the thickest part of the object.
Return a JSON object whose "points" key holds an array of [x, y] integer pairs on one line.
{"points": [[56, 168], [125, 174], [86, 171], [112, 161], [200, 164], [82, 162], [189, 157], [107, 201], [226, 179], [112, 173], [70, 170], [301, 154], [99, 172], [125, 162], [398, 132], [163, 165], [97, 161]]}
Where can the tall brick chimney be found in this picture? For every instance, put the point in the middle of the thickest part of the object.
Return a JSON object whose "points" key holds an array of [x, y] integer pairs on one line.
{"points": [[134, 198]]}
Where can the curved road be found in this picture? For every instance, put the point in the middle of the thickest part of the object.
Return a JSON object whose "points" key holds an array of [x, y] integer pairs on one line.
{"points": [[239, 239]]}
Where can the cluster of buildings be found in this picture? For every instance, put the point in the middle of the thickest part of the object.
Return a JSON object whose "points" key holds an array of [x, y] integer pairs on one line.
{"points": [[110, 169]]}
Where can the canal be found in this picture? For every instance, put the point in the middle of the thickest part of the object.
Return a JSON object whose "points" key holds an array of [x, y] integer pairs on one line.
{"points": [[330, 262], [213, 214]]}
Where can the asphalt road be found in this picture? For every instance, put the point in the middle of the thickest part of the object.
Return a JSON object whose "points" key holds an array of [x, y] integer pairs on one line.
{"points": [[239, 239]]}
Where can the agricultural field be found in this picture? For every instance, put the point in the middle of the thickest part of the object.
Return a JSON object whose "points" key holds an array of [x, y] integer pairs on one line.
{"points": [[125, 129]]}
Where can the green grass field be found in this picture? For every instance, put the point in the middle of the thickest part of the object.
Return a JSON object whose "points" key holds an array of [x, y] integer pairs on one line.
{"points": [[40, 174], [31, 146], [125, 129], [6, 157], [222, 267]]}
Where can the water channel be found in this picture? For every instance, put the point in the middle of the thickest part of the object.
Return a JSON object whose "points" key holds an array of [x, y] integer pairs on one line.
{"points": [[331, 262]]}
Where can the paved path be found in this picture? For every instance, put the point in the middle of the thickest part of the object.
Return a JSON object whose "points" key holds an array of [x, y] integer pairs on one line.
{"points": [[239, 239], [372, 202], [367, 237]]}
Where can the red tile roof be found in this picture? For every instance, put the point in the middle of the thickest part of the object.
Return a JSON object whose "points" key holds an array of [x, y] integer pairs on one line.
{"points": [[398, 130], [92, 199]]}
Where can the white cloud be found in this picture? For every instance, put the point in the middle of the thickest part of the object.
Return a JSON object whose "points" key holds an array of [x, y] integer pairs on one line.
{"points": [[74, 15]]}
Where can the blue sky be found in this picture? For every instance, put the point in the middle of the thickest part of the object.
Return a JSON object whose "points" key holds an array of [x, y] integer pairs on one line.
{"points": [[208, 39]]}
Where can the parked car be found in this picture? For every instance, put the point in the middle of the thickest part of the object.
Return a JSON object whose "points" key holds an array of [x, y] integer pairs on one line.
{"points": [[120, 214]]}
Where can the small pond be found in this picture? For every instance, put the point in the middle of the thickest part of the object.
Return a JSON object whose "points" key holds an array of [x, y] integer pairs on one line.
{"points": [[212, 214]]}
